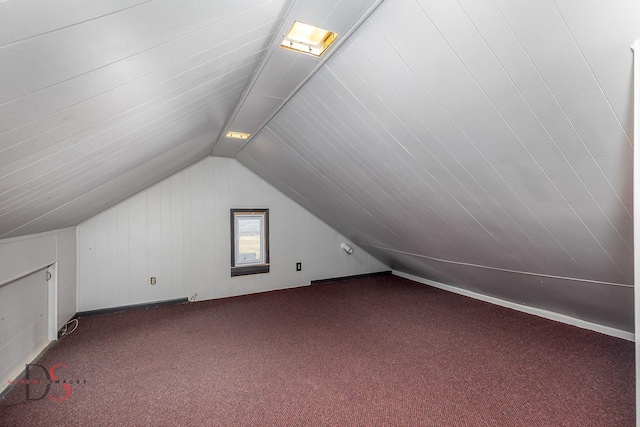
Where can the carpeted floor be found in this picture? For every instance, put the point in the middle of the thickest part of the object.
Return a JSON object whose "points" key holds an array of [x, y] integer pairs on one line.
{"points": [[379, 351]]}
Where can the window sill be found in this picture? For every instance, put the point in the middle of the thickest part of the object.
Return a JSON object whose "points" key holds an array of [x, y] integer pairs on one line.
{"points": [[249, 269]]}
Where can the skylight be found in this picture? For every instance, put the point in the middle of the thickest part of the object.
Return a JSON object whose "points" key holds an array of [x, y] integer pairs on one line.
{"points": [[308, 39]]}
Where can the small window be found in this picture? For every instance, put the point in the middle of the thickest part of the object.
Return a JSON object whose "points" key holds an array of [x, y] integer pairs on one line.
{"points": [[249, 241]]}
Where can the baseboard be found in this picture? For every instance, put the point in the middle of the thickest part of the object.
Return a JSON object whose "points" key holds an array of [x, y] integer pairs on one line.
{"points": [[130, 307], [618, 333], [356, 276]]}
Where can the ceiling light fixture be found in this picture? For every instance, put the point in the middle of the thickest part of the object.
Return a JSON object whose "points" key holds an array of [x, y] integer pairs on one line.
{"points": [[238, 135], [308, 39]]}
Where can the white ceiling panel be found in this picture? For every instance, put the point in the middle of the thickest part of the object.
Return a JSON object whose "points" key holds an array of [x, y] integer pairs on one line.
{"points": [[24, 19], [106, 89], [89, 92], [86, 198], [574, 298], [570, 78], [137, 94], [284, 71], [481, 139], [128, 115], [597, 30], [85, 47]]}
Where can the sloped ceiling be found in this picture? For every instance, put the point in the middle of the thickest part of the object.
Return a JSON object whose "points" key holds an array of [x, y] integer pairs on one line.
{"points": [[484, 144], [480, 143], [98, 100]]}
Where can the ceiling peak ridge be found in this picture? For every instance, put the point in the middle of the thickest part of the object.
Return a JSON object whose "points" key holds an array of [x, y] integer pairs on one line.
{"points": [[290, 17]]}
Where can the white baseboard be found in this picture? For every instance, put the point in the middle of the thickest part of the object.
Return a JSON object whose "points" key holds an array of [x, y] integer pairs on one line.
{"points": [[618, 333]]}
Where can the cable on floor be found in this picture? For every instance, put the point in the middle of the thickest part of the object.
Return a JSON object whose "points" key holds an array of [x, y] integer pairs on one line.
{"points": [[65, 329]]}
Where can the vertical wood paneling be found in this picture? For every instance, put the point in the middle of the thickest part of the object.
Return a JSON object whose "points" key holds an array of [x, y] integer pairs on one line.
{"points": [[193, 243], [187, 243], [114, 267], [198, 242], [138, 249], [101, 250], [176, 245], [222, 224], [211, 217], [67, 260], [165, 233], [123, 258], [154, 242], [87, 266]]}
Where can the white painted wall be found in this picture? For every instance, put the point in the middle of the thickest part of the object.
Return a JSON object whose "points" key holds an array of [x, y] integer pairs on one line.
{"points": [[178, 231], [23, 323], [24, 295], [21, 256], [66, 256]]}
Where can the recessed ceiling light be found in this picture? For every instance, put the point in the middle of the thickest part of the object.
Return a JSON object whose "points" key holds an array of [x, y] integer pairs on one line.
{"points": [[238, 135], [308, 39]]}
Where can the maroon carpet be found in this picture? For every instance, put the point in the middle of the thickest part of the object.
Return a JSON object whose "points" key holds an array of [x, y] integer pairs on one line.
{"points": [[379, 351]]}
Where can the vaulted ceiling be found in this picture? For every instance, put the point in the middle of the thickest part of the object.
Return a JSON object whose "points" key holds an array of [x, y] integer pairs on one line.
{"points": [[485, 144], [100, 100]]}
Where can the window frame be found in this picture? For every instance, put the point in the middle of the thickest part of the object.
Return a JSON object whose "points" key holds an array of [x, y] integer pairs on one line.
{"points": [[243, 269]]}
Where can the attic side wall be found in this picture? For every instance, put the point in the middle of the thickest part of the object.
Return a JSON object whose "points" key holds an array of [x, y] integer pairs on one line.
{"points": [[179, 232], [23, 295]]}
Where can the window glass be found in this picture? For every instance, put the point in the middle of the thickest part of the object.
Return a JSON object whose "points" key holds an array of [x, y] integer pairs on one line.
{"points": [[249, 235]]}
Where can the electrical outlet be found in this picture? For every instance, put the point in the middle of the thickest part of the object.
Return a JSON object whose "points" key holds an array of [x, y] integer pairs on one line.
{"points": [[153, 280], [298, 266]]}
